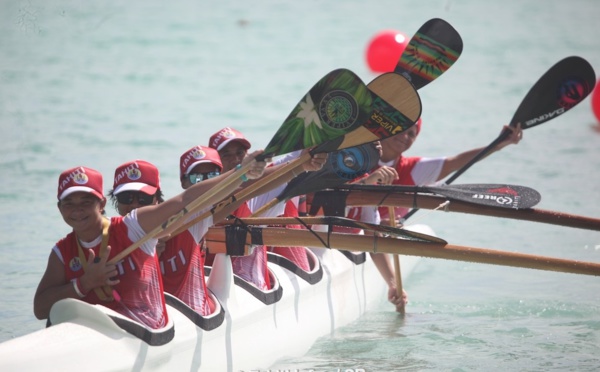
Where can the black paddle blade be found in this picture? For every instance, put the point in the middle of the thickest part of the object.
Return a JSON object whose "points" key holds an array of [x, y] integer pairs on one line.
{"points": [[493, 195], [432, 50], [561, 88], [337, 104], [342, 166]]}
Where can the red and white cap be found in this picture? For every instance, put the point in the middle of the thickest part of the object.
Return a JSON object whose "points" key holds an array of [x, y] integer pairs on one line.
{"points": [[226, 135], [198, 155], [136, 175], [80, 179]]}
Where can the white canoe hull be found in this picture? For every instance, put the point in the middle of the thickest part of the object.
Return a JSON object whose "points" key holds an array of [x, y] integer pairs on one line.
{"points": [[252, 335]]}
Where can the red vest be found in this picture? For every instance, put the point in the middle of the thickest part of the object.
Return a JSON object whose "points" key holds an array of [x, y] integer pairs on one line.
{"points": [[253, 267], [140, 286], [182, 268], [295, 254]]}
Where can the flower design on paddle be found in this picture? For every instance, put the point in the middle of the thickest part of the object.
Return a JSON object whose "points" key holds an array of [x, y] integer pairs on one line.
{"points": [[308, 113], [322, 114]]}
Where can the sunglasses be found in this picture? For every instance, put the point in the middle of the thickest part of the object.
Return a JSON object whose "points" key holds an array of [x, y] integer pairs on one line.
{"points": [[199, 177], [126, 197]]}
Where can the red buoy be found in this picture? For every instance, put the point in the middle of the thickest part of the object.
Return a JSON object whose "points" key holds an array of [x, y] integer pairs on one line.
{"points": [[596, 100], [384, 50]]}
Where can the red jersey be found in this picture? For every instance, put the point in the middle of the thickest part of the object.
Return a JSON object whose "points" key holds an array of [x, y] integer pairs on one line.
{"points": [[253, 267], [140, 286], [182, 268], [295, 254]]}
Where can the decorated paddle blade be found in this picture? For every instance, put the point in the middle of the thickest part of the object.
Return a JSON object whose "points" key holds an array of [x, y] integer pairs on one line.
{"points": [[337, 104], [342, 166], [560, 89], [395, 107], [432, 50], [396, 104]]}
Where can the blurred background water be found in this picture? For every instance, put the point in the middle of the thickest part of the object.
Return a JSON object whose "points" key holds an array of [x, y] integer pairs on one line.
{"points": [[101, 83]]}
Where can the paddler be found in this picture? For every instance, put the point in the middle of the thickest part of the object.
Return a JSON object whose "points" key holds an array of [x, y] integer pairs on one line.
{"points": [[233, 146], [78, 264]]}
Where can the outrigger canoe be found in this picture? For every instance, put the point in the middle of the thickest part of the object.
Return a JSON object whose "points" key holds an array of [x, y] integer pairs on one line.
{"points": [[251, 329]]}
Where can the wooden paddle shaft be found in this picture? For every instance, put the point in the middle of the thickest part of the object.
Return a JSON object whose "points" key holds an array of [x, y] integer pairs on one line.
{"points": [[294, 237], [396, 258], [225, 207]]}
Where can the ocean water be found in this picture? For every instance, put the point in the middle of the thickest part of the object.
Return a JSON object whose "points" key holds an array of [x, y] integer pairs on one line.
{"points": [[100, 83]]}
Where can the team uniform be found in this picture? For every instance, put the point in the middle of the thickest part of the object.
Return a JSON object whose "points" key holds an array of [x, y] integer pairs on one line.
{"points": [[182, 268], [253, 267], [295, 254], [140, 287]]}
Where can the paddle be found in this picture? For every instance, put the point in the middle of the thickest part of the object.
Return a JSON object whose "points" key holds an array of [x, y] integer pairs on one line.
{"points": [[494, 196], [358, 198], [234, 239], [344, 103], [433, 49], [397, 272], [561, 88]]}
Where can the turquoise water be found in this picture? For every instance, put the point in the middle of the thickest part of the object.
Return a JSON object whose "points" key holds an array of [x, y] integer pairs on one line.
{"points": [[101, 83]]}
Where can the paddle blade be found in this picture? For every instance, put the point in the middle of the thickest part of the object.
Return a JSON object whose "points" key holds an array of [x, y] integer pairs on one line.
{"points": [[493, 195], [342, 166], [561, 88], [337, 104], [432, 51], [395, 107]]}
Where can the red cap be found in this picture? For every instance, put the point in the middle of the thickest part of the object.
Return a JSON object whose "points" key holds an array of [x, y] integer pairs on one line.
{"points": [[80, 179], [136, 175], [198, 155], [224, 136]]}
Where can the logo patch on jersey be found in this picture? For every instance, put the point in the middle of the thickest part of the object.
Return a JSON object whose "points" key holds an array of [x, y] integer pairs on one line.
{"points": [[75, 264]]}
